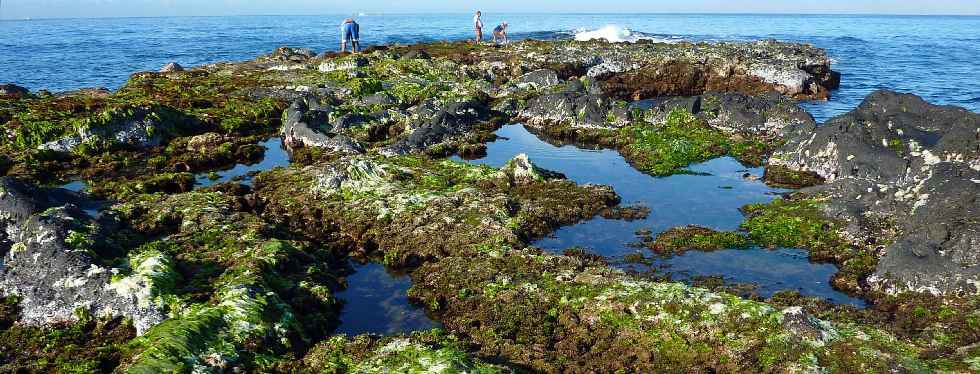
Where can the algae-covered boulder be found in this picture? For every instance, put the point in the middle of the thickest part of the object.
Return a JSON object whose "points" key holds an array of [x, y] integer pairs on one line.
{"points": [[568, 314], [573, 109], [306, 125], [446, 124], [242, 292], [533, 81], [415, 209], [771, 116], [767, 117], [51, 263], [520, 170], [422, 352], [904, 172], [289, 54], [140, 127]]}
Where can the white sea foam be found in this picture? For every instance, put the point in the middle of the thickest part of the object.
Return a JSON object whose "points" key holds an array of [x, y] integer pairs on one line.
{"points": [[616, 34]]}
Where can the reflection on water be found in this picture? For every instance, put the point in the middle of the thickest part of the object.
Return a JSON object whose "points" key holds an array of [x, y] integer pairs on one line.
{"points": [[275, 156], [76, 186], [770, 270], [376, 302], [710, 196]]}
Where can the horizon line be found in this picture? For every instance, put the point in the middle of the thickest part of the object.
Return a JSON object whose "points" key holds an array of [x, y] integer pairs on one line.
{"points": [[370, 14]]}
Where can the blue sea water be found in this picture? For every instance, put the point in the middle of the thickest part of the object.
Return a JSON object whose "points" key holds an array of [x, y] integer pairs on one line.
{"points": [[933, 56]]}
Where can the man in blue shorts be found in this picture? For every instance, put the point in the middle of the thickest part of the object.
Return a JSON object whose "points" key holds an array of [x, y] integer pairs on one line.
{"points": [[349, 33]]}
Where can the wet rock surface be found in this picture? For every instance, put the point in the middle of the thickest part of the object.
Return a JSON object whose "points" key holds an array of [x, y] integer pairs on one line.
{"points": [[137, 127], [453, 121], [647, 70], [13, 91], [306, 125], [899, 164], [50, 262]]}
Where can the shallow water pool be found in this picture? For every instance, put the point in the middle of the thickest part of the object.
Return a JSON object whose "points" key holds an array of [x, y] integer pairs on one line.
{"points": [[710, 196], [376, 302], [275, 156]]}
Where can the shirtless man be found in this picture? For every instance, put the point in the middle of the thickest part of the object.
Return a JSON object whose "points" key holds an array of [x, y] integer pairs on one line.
{"points": [[478, 24]]}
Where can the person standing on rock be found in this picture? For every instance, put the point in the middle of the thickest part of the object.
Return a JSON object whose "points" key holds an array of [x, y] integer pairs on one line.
{"points": [[478, 25], [349, 33]]}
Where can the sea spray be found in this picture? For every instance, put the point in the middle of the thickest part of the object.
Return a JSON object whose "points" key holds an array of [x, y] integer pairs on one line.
{"points": [[618, 34]]}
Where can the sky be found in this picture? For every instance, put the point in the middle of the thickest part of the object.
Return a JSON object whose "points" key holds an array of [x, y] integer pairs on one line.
{"points": [[19, 9]]}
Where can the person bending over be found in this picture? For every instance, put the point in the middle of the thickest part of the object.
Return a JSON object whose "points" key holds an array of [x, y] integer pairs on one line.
{"points": [[349, 33], [500, 33]]}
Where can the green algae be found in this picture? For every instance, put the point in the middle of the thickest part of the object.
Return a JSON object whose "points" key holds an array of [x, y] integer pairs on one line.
{"points": [[172, 346], [539, 310], [801, 224], [90, 345], [399, 204], [126, 189], [788, 223], [665, 146], [422, 352], [681, 239], [151, 277], [782, 176], [173, 105], [245, 299], [680, 140]]}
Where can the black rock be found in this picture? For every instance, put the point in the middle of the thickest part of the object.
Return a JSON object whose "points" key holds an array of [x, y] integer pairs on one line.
{"points": [[10, 90], [900, 164], [349, 120], [539, 79], [567, 108], [454, 120], [306, 124]]}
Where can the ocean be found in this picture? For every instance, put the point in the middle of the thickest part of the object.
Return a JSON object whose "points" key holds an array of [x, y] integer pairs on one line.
{"points": [[933, 56]]}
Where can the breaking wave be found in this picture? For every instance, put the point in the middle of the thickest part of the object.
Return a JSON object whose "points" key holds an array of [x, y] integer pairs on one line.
{"points": [[616, 34]]}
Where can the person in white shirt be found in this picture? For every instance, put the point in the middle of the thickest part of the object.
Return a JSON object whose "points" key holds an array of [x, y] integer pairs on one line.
{"points": [[478, 24]]}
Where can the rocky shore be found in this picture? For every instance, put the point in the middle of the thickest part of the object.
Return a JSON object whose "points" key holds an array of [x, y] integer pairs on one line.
{"points": [[147, 271]]}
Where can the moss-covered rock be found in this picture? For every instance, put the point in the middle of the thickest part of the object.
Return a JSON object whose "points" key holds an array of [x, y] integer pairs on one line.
{"points": [[784, 177], [90, 345], [681, 239], [800, 223], [244, 296], [406, 205], [556, 314], [424, 352]]}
